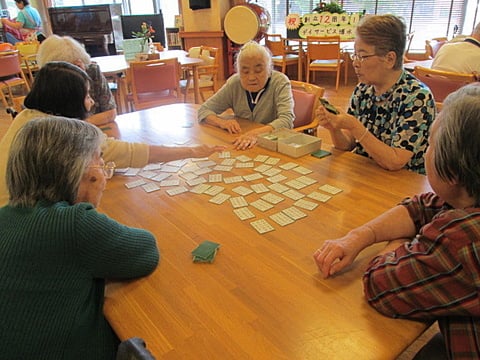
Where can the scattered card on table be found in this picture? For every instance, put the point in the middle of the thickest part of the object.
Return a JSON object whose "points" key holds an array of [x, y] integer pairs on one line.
{"points": [[262, 226], [294, 213], [302, 170], [135, 183], [244, 213], [330, 189], [281, 219], [150, 187], [319, 196], [205, 252]]}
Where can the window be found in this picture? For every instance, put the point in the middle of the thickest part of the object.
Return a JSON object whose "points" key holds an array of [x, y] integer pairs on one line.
{"points": [[427, 18]]}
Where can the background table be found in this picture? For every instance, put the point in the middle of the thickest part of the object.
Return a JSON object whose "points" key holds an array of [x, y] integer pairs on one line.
{"points": [[263, 297], [114, 65], [410, 66]]}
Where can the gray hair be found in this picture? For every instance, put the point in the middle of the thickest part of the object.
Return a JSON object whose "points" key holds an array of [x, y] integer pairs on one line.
{"points": [[457, 149], [62, 48], [251, 49], [385, 32], [48, 158]]}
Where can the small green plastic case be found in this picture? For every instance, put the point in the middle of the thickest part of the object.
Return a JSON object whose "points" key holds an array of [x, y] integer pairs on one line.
{"points": [[328, 106]]}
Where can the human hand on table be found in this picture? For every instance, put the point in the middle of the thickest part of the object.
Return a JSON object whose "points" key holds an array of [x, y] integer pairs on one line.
{"points": [[231, 125], [335, 255], [245, 141], [200, 151]]}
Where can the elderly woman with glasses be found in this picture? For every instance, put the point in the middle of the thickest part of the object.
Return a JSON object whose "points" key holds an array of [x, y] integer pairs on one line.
{"points": [[61, 88], [56, 250], [390, 111]]}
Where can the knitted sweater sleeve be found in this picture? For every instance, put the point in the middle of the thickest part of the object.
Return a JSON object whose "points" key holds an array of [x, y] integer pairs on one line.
{"points": [[112, 250]]}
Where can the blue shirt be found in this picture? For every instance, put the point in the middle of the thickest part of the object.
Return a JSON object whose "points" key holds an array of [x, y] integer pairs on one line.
{"points": [[401, 117]]}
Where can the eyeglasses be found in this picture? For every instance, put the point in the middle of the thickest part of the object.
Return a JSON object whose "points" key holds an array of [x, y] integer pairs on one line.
{"points": [[108, 169], [360, 58]]}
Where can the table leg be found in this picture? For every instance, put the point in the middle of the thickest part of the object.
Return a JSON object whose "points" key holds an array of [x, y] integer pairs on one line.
{"points": [[196, 87], [300, 62]]}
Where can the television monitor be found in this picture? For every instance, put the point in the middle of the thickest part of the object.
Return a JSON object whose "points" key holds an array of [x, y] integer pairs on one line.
{"points": [[133, 23], [81, 19]]}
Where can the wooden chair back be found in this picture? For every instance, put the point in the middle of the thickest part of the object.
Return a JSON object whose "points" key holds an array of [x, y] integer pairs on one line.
{"points": [[28, 53], [13, 75], [324, 54], [306, 99], [154, 82], [282, 54], [276, 44], [207, 72]]}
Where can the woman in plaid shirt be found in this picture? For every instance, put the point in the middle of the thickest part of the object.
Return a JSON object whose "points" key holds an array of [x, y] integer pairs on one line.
{"points": [[430, 270]]}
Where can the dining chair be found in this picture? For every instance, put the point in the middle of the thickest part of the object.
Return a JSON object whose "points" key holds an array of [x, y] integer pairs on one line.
{"points": [[306, 99], [28, 55], [282, 56], [207, 72], [433, 45], [324, 54], [12, 76], [442, 83], [153, 83]]}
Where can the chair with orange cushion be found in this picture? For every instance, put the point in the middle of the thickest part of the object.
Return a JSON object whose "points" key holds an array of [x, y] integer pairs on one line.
{"points": [[306, 99], [11, 75], [153, 83], [442, 83]]}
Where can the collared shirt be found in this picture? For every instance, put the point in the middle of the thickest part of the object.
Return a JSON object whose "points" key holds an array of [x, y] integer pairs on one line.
{"points": [[400, 118], [462, 57], [436, 276]]}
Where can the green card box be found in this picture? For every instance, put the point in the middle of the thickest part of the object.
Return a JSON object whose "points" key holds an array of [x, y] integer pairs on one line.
{"points": [[270, 140], [132, 47], [299, 145]]}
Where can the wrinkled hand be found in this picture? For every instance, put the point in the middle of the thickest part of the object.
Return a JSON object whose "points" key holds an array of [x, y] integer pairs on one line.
{"points": [[323, 117], [335, 255], [232, 126], [245, 141], [206, 150]]}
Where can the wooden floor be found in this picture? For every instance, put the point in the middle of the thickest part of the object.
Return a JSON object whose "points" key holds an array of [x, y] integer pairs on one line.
{"points": [[340, 98]]}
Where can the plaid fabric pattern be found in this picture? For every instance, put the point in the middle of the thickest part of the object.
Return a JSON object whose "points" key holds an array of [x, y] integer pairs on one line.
{"points": [[436, 276]]}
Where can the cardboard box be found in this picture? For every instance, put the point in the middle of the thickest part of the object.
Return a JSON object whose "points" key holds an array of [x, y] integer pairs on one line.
{"points": [[269, 140], [299, 145]]}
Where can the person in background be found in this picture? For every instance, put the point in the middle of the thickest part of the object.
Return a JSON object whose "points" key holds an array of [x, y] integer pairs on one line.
{"points": [[65, 48], [62, 89], [56, 250], [26, 27], [390, 111], [430, 270], [462, 56], [256, 92]]}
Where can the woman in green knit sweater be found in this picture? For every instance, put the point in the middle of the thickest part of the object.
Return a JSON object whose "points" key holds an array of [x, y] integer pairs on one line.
{"points": [[56, 250]]}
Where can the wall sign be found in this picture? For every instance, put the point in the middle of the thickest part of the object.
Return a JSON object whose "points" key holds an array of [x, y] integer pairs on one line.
{"points": [[322, 24]]}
